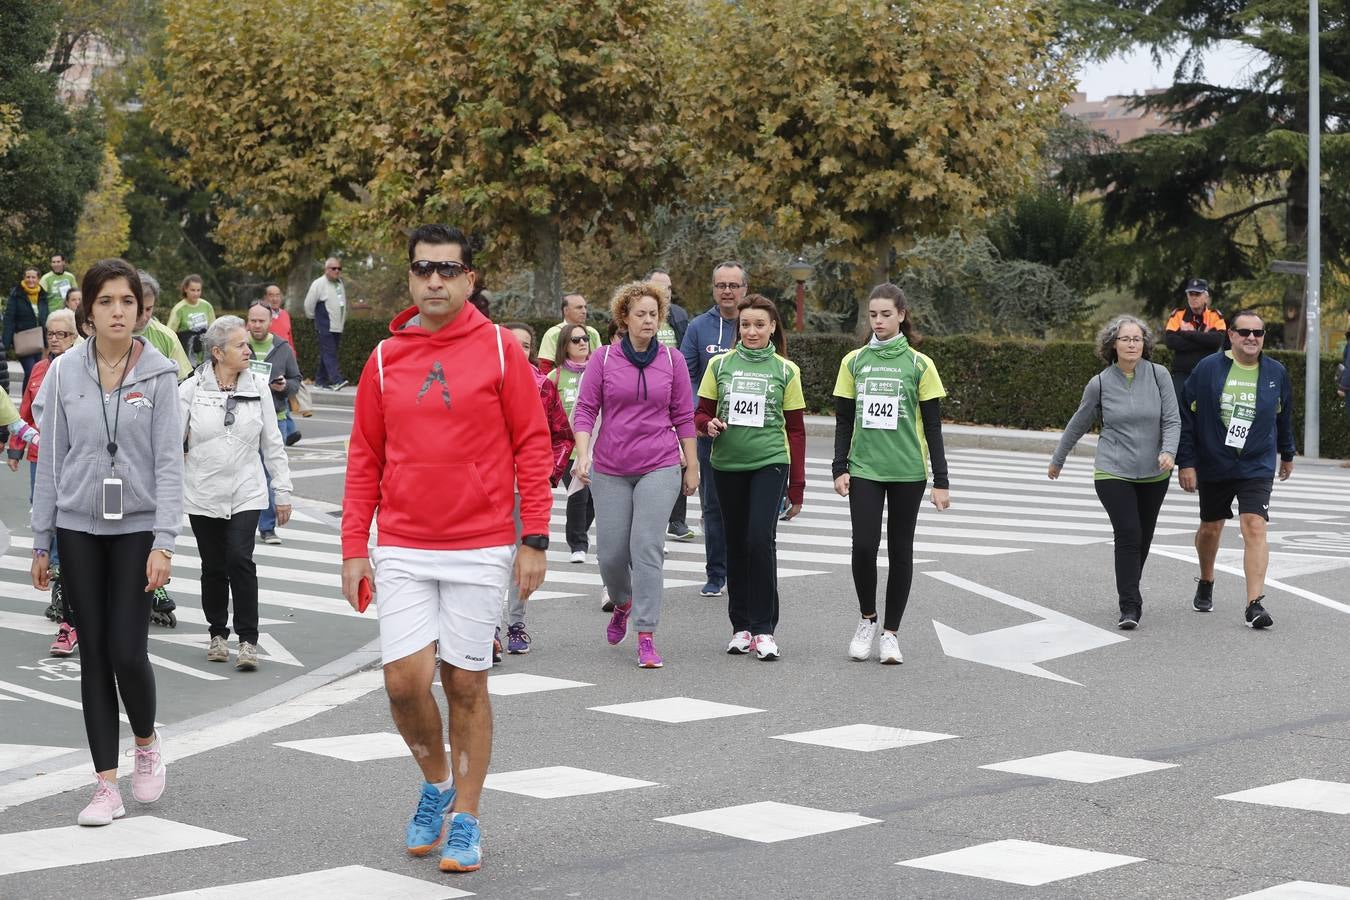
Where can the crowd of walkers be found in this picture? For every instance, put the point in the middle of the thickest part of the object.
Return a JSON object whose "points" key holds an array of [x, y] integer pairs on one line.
{"points": [[462, 430]]}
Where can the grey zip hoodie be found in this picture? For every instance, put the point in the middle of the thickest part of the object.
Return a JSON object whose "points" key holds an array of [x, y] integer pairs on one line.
{"points": [[1139, 420], [73, 457]]}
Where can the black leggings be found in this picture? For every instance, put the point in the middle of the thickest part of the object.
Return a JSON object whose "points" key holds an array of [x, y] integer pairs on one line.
{"points": [[103, 577], [580, 513], [866, 500], [1133, 510], [226, 548], [749, 502]]}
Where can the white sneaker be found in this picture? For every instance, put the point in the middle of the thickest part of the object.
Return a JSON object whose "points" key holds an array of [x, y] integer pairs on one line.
{"points": [[860, 647], [889, 651], [764, 646], [740, 642], [578, 556]]}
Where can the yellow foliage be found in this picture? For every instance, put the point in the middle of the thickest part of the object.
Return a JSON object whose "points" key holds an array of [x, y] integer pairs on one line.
{"points": [[104, 228]]}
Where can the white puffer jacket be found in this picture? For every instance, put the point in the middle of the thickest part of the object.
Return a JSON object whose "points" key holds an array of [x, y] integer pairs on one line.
{"points": [[222, 473]]}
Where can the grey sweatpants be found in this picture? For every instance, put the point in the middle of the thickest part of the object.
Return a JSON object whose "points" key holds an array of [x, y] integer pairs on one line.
{"points": [[512, 605], [631, 516]]}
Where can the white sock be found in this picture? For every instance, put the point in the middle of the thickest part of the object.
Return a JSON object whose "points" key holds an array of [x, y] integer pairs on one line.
{"points": [[445, 785]]}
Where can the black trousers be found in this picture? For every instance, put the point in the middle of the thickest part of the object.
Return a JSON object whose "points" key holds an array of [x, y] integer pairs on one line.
{"points": [[866, 502], [1133, 510], [580, 513], [749, 508], [103, 577], [226, 548]]}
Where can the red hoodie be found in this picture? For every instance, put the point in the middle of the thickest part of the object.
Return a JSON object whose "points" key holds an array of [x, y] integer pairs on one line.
{"points": [[442, 443]]}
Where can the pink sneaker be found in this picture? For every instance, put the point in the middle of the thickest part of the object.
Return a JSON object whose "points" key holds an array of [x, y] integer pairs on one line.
{"points": [[618, 623], [648, 658], [66, 640], [147, 779], [106, 805]]}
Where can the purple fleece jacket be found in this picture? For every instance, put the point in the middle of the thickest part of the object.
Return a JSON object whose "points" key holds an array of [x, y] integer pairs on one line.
{"points": [[640, 430]]}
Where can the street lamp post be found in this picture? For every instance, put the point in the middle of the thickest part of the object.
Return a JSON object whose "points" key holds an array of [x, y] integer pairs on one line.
{"points": [[1312, 343], [801, 271]]}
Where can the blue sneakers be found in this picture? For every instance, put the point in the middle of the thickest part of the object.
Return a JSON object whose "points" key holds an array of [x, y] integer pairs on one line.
{"points": [[428, 823], [463, 846]]}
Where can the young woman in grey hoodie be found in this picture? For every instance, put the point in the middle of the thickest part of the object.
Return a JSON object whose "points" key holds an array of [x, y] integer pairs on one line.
{"points": [[1134, 399], [110, 485]]}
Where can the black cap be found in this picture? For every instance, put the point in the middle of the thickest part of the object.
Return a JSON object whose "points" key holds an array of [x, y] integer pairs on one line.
{"points": [[1195, 285]]}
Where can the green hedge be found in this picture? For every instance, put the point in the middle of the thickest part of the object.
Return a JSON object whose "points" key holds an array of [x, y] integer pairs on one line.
{"points": [[1012, 382]]}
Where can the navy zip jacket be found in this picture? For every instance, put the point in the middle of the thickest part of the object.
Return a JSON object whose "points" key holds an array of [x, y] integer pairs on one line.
{"points": [[1202, 431], [708, 335]]}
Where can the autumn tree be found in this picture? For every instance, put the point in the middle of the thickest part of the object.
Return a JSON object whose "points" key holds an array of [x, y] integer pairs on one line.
{"points": [[261, 98], [861, 124], [1198, 202], [48, 157], [105, 226], [531, 123]]}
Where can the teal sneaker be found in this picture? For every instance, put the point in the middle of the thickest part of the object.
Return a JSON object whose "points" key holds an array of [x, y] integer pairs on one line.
{"points": [[463, 846], [427, 827]]}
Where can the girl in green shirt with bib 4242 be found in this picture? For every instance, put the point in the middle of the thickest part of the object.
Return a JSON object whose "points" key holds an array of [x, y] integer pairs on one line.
{"points": [[750, 403], [888, 430]]}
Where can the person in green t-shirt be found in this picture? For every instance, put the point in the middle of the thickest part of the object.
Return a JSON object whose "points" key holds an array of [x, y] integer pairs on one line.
{"points": [[750, 403], [190, 317], [573, 308], [1137, 405], [569, 363], [57, 283], [887, 433]]}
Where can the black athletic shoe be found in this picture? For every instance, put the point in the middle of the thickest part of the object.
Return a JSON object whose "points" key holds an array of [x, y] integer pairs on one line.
{"points": [[292, 439], [1257, 617], [1204, 596], [1129, 620]]}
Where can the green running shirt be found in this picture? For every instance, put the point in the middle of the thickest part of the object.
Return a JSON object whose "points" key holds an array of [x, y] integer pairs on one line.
{"points": [[753, 388], [888, 383]]}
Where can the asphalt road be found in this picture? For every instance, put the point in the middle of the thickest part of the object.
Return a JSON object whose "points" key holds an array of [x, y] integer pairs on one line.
{"points": [[929, 786]]}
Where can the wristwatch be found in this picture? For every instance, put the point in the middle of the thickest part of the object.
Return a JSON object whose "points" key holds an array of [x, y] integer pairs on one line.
{"points": [[537, 541], [167, 552]]}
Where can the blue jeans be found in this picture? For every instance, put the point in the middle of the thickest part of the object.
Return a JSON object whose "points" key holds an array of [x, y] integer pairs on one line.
{"points": [[714, 534], [328, 373], [267, 519]]}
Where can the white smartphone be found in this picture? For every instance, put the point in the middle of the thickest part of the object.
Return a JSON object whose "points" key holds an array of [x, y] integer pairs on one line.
{"points": [[112, 498]]}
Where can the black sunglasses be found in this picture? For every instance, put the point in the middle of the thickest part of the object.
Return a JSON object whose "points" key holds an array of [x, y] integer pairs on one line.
{"points": [[579, 339], [230, 403], [1251, 332], [423, 268]]}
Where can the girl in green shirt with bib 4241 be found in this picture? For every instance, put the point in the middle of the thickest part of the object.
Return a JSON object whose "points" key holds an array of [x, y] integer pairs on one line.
{"points": [[750, 403], [888, 430]]}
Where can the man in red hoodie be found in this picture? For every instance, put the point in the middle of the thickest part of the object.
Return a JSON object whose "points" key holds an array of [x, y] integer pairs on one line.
{"points": [[448, 428]]}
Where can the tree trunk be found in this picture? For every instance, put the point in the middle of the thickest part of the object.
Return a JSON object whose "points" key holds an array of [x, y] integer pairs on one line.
{"points": [[1296, 239], [544, 245], [298, 277], [881, 259]]}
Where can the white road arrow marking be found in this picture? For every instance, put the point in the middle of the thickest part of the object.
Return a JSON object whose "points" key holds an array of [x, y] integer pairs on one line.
{"points": [[1021, 647], [275, 652]]}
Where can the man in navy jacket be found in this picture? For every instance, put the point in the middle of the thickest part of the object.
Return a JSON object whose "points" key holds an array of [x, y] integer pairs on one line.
{"points": [[1237, 413]]}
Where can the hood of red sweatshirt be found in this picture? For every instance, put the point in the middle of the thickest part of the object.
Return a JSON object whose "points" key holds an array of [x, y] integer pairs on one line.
{"points": [[408, 324]]}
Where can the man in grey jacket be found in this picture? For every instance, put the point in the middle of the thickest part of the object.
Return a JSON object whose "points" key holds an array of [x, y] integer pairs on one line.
{"points": [[274, 360], [326, 304]]}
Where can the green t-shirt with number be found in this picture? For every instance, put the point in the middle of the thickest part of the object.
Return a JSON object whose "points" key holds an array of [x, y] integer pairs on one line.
{"points": [[186, 317], [568, 384], [1238, 400], [753, 388], [55, 287], [888, 383]]}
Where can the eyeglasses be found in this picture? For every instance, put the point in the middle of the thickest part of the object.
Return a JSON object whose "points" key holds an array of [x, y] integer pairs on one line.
{"points": [[1129, 340], [1250, 332], [579, 339], [448, 269], [334, 268], [61, 335], [728, 285]]}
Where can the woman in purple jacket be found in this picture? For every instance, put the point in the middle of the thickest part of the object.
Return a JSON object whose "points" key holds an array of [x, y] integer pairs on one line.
{"points": [[642, 391]]}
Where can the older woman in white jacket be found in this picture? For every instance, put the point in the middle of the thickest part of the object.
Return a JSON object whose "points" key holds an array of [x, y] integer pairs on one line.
{"points": [[231, 432]]}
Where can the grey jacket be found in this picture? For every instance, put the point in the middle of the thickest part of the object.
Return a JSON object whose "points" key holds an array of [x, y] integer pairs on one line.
{"points": [[282, 359], [1139, 421], [73, 458]]}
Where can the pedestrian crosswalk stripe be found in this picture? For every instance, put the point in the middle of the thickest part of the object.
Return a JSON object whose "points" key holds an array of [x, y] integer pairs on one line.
{"points": [[135, 836], [769, 821], [1076, 766], [1027, 863], [342, 883], [13, 756], [1299, 890], [553, 782]]}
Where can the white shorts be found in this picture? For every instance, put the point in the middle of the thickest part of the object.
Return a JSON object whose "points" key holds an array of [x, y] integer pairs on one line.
{"points": [[449, 597]]}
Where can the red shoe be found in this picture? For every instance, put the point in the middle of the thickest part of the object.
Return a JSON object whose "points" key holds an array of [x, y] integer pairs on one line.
{"points": [[66, 641]]}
